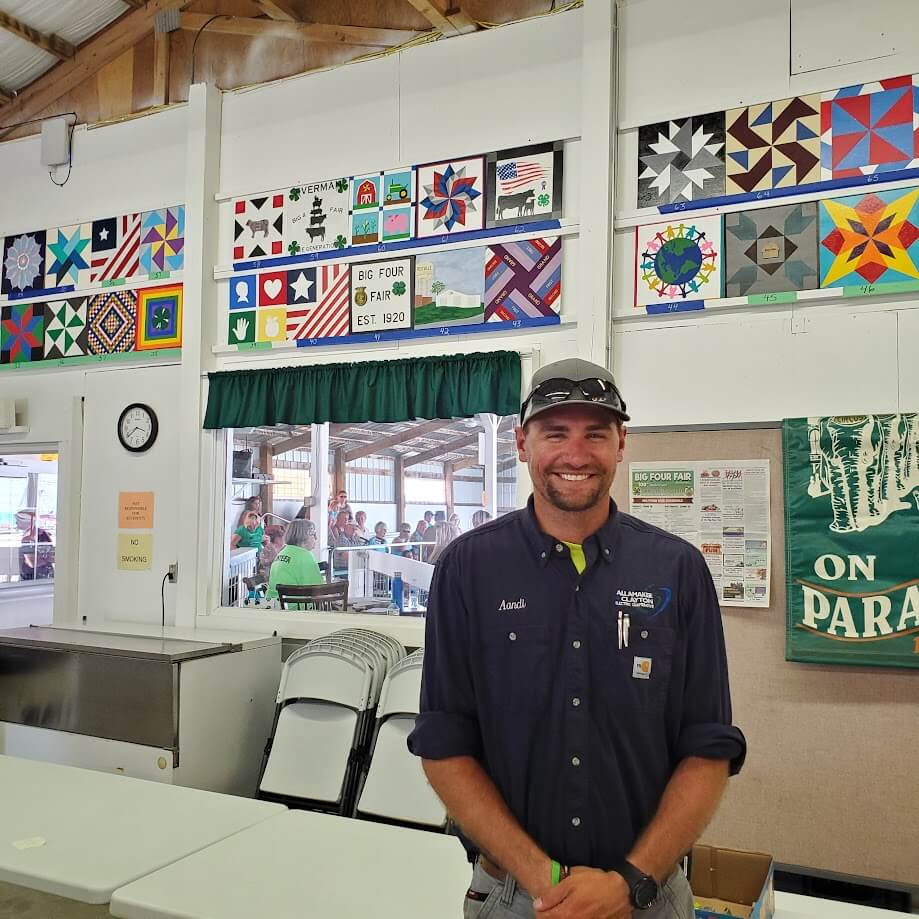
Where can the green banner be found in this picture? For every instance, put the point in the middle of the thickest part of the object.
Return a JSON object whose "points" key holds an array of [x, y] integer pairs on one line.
{"points": [[852, 539]]}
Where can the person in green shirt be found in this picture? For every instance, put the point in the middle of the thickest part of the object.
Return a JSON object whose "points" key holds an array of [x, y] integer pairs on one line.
{"points": [[295, 563], [251, 535]]}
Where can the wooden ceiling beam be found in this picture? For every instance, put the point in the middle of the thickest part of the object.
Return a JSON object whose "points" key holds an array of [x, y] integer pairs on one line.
{"points": [[460, 20], [299, 31], [465, 463], [434, 15], [394, 440], [53, 44], [90, 58], [292, 443], [136, 4], [450, 446], [282, 10]]}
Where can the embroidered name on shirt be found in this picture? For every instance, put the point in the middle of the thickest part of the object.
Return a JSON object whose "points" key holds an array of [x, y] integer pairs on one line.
{"points": [[636, 599], [512, 604]]}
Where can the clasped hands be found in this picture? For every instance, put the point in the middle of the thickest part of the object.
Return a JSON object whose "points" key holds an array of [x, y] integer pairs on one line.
{"points": [[587, 893]]}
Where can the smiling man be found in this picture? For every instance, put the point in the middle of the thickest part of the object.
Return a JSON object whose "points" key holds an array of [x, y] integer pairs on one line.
{"points": [[575, 709]]}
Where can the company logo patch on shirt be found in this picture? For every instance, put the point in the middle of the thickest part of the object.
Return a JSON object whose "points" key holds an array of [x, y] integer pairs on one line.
{"points": [[652, 601], [641, 668], [506, 605]]}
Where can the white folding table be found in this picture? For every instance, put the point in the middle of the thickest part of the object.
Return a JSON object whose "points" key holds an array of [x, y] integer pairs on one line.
{"points": [[301, 865], [81, 834]]}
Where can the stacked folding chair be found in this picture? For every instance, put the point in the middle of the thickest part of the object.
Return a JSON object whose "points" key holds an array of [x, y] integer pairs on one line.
{"points": [[396, 789], [324, 720]]}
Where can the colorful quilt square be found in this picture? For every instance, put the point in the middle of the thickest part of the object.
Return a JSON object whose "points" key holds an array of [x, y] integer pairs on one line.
{"points": [[111, 322], [22, 332], [523, 280], [115, 248], [870, 128], [272, 288], [397, 223], [773, 145], [241, 328], [23, 263], [242, 292], [162, 240], [365, 192], [450, 197], [771, 250], [365, 227], [317, 216], [381, 206], [450, 287], [159, 318], [258, 227], [524, 184], [301, 286], [871, 238], [68, 256], [329, 317], [681, 160], [678, 260], [65, 328], [271, 324]]}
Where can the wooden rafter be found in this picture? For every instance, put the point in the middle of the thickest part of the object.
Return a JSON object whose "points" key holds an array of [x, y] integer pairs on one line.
{"points": [[136, 4], [292, 443], [161, 46], [90, 58], [450, 446], [465, 463], [394, 440], [300, 31], [434, 15], [460, 20], [281, 10], [53, 44]]}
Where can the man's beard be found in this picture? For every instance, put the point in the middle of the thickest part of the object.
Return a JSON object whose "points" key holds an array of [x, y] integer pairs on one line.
{"points": [[573, 503]]}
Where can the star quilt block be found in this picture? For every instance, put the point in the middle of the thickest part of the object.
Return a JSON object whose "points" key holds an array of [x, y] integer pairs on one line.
{"points": [[23, 263], [301, 286], [159, 318], [773, 145], [329, 316], [111, 321], [451, 197], [870, 239], [115, 248], [65, 328], [258, 227], [162, 240], [22, 333], [523, 280], [678, 260], [68, 256], [870, 128], [771, 250], [681, 160]]}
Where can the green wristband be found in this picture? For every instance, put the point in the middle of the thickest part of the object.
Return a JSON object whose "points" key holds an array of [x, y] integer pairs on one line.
{"points": [[556, 872]]}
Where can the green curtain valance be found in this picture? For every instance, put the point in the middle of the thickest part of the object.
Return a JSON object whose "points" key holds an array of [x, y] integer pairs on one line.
{"points": [[457, 386]]}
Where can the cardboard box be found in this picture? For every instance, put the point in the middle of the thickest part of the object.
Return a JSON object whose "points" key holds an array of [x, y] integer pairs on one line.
{"points": [[730, 883]]}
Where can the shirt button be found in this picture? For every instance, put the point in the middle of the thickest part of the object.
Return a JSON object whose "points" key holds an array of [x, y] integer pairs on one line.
{"points": [[575, 701], [575, 761], [512, 636], [575, 821], [577, 588], [644, 633], [559, 547], [575, 644], [542, 554], [606, 551]]}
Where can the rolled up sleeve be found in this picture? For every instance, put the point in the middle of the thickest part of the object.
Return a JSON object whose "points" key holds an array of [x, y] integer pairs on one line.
{"points": [[447, 724], [705, 727]]}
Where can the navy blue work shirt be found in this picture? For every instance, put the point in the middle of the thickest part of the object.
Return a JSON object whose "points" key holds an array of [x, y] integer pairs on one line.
{"points": [[525, 671]]}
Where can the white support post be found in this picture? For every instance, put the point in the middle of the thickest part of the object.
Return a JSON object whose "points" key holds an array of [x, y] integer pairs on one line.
{"points": [[319, 480], [598, 137], [490, 425], [197, 553]]}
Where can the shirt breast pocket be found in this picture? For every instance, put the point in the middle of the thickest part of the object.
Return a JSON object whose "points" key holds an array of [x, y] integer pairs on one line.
{"points": [[640, 673], [517, 663]]}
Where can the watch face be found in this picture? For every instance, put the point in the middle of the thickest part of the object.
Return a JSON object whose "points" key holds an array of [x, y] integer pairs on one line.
{"points": [[137, 428], [645, 893]]}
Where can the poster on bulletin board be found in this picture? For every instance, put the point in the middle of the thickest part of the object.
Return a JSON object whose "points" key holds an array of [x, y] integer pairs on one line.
{"points": [[381, 295]]}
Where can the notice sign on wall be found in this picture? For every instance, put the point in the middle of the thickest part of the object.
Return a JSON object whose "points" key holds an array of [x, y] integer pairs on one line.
{"points": [[135, 551], [135, 510], [381, 295]]}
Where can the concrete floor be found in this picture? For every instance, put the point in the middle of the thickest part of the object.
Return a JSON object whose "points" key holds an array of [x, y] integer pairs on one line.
{"points": [[20, 903]]}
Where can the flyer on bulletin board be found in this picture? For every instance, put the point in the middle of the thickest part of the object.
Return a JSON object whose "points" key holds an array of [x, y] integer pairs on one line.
{"points": [[722, 508]]}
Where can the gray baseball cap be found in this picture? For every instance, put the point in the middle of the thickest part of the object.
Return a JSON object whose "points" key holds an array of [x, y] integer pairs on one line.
{"points": [[572, 382]]}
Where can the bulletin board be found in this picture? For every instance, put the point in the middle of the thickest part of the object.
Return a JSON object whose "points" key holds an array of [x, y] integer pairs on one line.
{"points": [[829, 782]]}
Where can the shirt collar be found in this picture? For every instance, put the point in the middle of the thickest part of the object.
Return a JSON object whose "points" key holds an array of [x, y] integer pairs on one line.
{"points": [[544, 544]]}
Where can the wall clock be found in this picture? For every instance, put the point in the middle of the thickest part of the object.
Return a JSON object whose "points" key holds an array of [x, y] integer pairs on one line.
{"points": [[138, 427]]}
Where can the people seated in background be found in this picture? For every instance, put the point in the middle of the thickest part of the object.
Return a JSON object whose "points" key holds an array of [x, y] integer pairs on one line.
{"points": [[360, 526], [379, 535], [480, 517], [337, 527], [295, 564], [420, 529], [429, 518], [455, 521], [444, 534], [339, 504], [251, 534], [400, 543], [36, 554], [269, 552], [440, 517], [345, 536], [252, 504]]}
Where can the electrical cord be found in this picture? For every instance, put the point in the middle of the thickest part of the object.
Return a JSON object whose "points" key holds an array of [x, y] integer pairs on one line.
{"points": [[69, 158], [163, 596], [194, 44]]}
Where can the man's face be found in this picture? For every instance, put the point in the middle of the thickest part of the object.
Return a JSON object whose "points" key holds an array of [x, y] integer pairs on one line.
{"points": [[350, 529], [422, 526], [405, 531], [380, 530], [428, 517], [252, 521], [572, 453], [341, 521]]}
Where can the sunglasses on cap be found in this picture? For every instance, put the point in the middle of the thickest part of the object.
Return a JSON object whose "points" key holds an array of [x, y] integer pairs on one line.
{"points": [[558, 390]]}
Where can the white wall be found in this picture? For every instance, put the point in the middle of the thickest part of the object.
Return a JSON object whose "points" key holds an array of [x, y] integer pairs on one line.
{"points": [[755, 363]]}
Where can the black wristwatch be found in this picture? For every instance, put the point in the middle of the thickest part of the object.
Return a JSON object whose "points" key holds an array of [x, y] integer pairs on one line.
{"points": [[643, 889]]}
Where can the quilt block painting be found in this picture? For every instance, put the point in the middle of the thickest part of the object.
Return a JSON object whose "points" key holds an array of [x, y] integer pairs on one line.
{"points": [[328, 315], [115, 248], [771, 250], [773, 145], [870, 128], [22, 332], [68, 256], [523, 280], [162, 240], [678, 260], [450, 287], [382, 207], [451, 197], [524, 184], [681, 160], [271, 324], [316, 216], [241, 328], [258, 227], [111, 320], [870, 239], [23, 263], [159, 318], [65, 328]]}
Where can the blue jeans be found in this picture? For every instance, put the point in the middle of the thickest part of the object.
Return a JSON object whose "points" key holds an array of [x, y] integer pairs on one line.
{"points": [[505, 900]]}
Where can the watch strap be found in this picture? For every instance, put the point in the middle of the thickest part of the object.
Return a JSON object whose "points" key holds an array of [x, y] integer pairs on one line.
{"points": [[633, 877]]}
